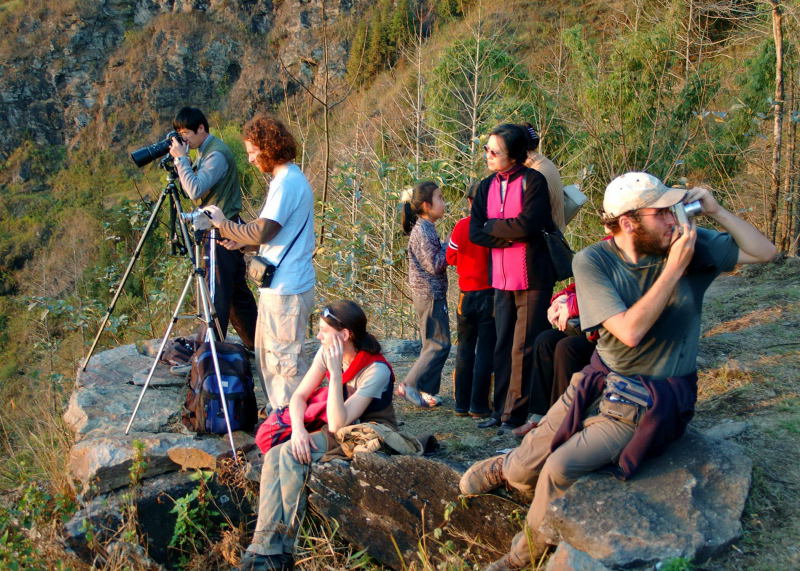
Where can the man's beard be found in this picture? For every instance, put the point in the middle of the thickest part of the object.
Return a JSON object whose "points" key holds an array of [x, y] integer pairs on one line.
{"points": [[648, 244]]}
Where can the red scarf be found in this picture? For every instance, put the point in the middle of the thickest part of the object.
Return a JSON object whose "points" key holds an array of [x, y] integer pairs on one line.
{"points": [[278, 426]]}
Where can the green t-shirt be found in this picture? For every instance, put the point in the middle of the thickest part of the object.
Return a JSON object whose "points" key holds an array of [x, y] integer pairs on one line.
{"points": [[607, 284]]}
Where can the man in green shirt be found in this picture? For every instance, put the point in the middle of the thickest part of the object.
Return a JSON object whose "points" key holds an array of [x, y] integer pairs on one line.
{"points": [[213, 179]]}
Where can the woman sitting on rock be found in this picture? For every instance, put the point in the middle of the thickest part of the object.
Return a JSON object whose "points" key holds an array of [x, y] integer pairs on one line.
{"points": [[360, 383]]}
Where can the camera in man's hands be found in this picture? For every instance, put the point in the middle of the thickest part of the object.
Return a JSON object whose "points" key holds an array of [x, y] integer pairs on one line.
{"points": [[685, 210], [148, 154], [199, 219]]}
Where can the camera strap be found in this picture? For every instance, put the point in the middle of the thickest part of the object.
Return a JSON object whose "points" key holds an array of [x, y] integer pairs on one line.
{"points": [[293, 241]]}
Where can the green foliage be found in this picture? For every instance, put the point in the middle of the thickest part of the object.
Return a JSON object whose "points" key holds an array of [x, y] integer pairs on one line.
{"points": [[377, 46], [195, 518], [36, 508], [476, 84], [675, 564]]}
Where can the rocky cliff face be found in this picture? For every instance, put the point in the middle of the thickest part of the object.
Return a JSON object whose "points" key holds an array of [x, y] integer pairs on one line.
{"points": [[85, 71]]}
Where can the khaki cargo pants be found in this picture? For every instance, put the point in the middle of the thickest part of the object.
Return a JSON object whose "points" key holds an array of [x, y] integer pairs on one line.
{"points": [[280, 335], [533, 469]]}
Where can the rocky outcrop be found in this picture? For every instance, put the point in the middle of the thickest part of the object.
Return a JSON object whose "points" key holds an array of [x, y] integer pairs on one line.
{"points": [[109, 70], [686, 503], [100, 520], [104, 398]]}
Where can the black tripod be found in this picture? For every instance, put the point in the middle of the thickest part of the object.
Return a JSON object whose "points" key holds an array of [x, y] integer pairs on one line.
{"points": [[209, 316], [177, 223], [205, 307]]}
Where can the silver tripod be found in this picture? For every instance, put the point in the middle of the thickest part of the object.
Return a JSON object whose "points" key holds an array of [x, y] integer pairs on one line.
{"points": [[207, 313]]}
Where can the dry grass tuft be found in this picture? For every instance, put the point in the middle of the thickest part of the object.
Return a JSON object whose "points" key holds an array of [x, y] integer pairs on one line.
{"points": [[760, 316]]}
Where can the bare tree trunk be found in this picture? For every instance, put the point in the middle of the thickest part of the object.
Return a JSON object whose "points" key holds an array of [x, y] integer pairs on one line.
{"points": [[789, 180], [777, 133], [326, 131]]}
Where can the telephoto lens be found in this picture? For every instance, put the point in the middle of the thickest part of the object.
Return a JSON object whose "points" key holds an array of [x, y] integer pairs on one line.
{"points": [[148, 154]]}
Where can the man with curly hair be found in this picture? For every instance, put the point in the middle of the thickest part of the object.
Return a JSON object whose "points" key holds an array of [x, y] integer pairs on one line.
{"points": [[284, 234], [213, 179]]}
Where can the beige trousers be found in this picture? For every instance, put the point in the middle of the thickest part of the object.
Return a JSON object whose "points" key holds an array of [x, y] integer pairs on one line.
{"points": [[280, 335], [533, 469]]}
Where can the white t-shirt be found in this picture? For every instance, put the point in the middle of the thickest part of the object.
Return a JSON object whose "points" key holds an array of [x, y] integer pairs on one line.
{"points": [[290, 203]]}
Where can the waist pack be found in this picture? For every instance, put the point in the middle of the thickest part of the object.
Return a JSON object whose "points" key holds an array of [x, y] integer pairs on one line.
{"points": [[202, 411], [628, 389]]}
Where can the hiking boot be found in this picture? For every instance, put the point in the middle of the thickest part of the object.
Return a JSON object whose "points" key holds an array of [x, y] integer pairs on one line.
{"points": [[256, 562], [483, 476]]}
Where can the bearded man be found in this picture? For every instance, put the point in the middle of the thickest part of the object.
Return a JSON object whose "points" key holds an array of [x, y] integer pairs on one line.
{"points": [[643, 292]]}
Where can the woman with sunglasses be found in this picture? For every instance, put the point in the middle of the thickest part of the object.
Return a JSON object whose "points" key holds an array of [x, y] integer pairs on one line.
{"points": [[509, 212], [360, 383]]}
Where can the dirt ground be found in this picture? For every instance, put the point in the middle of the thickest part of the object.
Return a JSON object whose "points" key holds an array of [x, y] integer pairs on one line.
{"points": [[749, 361]]}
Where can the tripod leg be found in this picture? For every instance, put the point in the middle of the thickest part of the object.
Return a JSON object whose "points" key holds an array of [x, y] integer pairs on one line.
{"points": [[160, 349], [206, 304], [127, 273]]}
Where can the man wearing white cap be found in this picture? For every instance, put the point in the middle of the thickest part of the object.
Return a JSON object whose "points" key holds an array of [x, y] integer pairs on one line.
{"points": [[643, 292]]}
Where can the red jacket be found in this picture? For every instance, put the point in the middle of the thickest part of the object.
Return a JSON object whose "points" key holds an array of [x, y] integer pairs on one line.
{"points": [[471, 261]]}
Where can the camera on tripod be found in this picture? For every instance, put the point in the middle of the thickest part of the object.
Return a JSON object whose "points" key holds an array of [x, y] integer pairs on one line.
{"points": [[199, 219], [148, 154]]}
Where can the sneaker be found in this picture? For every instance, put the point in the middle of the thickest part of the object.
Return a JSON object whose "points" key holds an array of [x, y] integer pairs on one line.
{"points": [[430, 400], [411, 394], [483, 476]]}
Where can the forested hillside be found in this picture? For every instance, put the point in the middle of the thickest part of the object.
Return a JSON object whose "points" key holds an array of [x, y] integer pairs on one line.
{"points": [[379, 95]]}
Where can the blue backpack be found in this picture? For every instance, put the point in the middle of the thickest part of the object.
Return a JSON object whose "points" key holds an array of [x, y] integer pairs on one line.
{"points": [[202, 411]]}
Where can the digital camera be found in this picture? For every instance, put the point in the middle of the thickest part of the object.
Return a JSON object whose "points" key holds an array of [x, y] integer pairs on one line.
{"points": [[685, 210], [199, 219]]}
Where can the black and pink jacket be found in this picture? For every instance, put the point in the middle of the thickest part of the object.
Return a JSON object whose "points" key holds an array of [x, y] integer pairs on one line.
{"points": [[511, 224]]}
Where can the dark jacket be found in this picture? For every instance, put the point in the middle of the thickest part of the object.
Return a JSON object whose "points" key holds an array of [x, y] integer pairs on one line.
{"points": [[673, 407], [499, 233]]}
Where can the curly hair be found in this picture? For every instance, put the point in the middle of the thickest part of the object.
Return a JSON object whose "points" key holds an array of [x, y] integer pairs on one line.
{"points": [[274, 141]]}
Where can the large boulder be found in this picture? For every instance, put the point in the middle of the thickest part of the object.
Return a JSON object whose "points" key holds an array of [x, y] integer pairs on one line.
{"points": [[685, 503], [382, 501]]}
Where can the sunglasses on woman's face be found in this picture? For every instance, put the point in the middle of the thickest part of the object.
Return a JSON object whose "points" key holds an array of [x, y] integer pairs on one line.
{"points": [[492, 152], [326, 313]]}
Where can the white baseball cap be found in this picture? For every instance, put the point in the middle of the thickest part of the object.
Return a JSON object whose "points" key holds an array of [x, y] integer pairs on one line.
{"points": [[635, 190]]}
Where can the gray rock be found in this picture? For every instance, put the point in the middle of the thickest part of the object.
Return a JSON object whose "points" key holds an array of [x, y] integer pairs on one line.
{"points": [[378, 498], [727, 429], [105, 396], [100, 462], [567, 558], [686, 503]]}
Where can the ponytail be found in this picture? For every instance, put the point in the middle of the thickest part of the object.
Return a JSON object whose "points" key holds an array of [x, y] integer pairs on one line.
{"points": [[413, 199]]}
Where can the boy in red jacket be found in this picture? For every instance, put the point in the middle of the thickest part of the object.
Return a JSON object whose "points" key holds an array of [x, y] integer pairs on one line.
{"points": [[475, 320]]}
